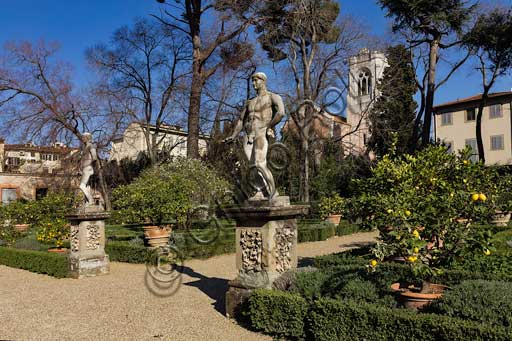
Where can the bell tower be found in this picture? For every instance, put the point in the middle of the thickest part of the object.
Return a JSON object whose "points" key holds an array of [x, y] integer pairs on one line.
{"points": [[365, 70]]}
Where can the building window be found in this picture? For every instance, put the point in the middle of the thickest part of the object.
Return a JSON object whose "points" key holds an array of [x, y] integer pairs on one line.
{"points": [[495, 111], [497, 142], [9, 195], [470, 114], [364, 82], [41, 193], [32, 154], [13, 161], [46, 157], [474, 149], [447, 119]]}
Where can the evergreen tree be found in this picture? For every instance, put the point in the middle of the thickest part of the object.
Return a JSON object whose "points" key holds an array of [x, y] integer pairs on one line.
{"points": [[394, 110]]}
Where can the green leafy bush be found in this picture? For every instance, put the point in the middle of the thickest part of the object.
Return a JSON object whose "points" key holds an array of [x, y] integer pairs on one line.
{"points": [[55, 265], [309, 284], [277, 313], [330, 319], [331, 205], [127, 252], [169, 192], [427, 208], [478, 300]]}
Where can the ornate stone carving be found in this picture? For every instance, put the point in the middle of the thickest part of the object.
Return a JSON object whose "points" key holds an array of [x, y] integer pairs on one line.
{"points": [[74, 238], [93, 237], [251, 245], [284, 238]]}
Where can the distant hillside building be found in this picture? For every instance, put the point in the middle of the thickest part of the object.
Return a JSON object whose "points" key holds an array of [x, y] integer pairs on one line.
{"points": [[172, 138], [29, 172], [455, 124]]}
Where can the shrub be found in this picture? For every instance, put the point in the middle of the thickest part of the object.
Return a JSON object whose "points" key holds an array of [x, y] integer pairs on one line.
{"points": [[308, 284], [331, 319], [427, 208], [344, 228], [55, 265], [277, 313], [53, 231], [331, 205], [169, 192], [478, 300], [127, 252]]}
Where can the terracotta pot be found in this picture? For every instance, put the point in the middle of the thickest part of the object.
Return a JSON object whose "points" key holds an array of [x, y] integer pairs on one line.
{"points": [[21, 227], [501, 218], [58, 250], [334, 219], [410, 297], [157, 233], [157, 236]]}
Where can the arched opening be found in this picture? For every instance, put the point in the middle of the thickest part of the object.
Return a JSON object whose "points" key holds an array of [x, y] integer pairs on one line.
{"points": [[364, 82]]}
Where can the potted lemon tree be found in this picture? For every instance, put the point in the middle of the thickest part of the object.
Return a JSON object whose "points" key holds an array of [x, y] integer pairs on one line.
{"points": [[429, 209], [331, 208]]}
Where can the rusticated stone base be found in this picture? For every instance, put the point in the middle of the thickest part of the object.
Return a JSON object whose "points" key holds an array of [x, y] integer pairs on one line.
{"points": [[88, 267], [87, 256], [266, 242]]}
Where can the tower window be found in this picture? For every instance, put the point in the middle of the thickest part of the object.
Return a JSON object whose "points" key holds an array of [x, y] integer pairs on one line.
{"points": [[364, 82]]}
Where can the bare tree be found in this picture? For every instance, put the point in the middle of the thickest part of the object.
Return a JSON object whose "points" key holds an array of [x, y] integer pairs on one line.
{"points": [[187, 16], [307, 35], [39, 101], [143, 71]]}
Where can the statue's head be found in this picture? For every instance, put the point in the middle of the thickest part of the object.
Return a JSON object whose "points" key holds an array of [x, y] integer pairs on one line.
{"points": [[87, 137], [259, 80]]}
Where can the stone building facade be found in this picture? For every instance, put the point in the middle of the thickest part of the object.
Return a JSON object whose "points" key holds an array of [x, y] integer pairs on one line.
{"points": [[169, 137]]}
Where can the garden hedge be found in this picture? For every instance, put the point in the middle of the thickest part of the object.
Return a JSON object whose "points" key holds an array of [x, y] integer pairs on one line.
{"points": [[52, 264], [276, 312], [290, 316], [330, 319], [120, 249]]}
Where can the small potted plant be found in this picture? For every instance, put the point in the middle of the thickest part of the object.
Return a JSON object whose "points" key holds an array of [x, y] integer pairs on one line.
{"points": [[54, 232], [427, 208], [331, 208]]}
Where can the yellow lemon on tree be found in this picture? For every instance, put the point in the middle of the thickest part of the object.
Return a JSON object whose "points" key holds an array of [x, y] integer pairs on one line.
{"points": [[416, 234], [412, 259], [415, 250], [407, 212], [487, 252], [465, 162], [475, 197], [373, 263], [464, 180], [482, 197], [390, 211]]}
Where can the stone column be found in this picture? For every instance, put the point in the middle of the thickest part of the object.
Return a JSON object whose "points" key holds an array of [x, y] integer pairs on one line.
{"points": [[266, 246], [87, 255]]}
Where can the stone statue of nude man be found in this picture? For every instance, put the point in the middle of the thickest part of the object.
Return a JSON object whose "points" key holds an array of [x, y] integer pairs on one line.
{"points": [[258, 118], [89, 157]]}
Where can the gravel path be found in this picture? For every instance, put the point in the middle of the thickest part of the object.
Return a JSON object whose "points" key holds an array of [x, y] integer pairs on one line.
{"points": [[119, 306]]}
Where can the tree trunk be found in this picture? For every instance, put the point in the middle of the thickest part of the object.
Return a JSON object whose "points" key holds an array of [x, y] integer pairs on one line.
{"points": [[431, 88], [304, 176], [194, 108], [479, 141]]}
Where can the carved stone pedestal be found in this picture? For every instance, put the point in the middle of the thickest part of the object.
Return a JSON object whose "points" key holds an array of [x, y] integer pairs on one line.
{"points": [[87, 256], [266, 243]]}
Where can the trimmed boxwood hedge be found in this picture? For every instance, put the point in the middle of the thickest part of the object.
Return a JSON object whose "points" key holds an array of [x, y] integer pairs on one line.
{"points": [[278, 313], [331, 319], [121, 250], [52, 264]]}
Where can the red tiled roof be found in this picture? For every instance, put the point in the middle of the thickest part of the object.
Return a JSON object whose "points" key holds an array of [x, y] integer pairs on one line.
{"points": [[474, 98]]}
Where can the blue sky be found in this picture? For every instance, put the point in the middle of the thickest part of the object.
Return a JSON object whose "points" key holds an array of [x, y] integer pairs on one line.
{"points": [[79, 24]]}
